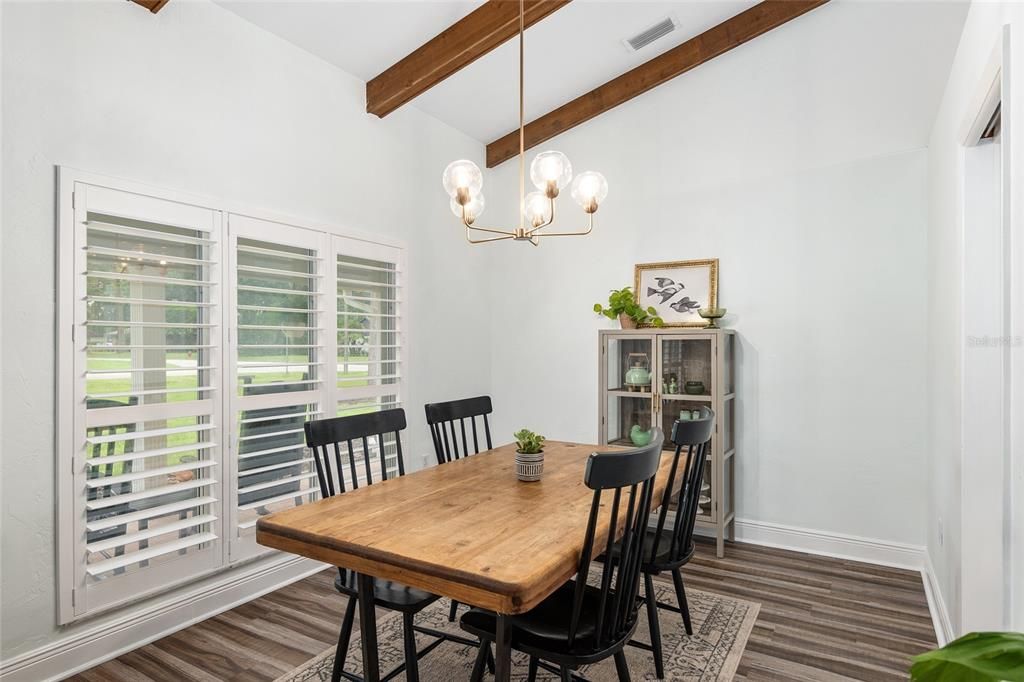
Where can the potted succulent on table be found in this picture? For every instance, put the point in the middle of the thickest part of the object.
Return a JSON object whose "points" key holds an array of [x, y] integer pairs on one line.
{"points": [[529, 455], [630, 314]]}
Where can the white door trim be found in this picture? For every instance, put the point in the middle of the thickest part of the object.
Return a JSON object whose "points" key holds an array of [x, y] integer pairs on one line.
{"points": [[989, 552]]}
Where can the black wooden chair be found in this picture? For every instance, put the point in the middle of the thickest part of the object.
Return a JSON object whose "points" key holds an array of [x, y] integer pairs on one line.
{"points": [[580, 623], [669, 547], [340, 466], [441, 418]]}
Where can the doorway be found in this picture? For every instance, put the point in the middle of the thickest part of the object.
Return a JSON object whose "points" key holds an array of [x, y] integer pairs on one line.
{"points": [[991, 492]]}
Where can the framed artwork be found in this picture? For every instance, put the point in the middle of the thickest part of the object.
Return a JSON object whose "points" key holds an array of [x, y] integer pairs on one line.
{"points": [[678, 289]]}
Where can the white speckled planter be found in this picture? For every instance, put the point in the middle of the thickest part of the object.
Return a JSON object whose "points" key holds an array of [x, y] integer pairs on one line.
{"points": [[529, 467]]}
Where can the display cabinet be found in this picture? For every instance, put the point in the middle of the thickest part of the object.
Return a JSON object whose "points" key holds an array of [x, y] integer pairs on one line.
{"points": [[651, 377]]}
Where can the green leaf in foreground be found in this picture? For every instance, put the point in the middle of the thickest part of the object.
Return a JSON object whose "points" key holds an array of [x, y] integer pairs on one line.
{"points": [[975, 657]]}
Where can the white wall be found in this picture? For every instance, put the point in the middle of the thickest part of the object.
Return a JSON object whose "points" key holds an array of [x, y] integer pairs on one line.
{"points": [[831, 407], [198, 100], [806, 176], [981, 34]]}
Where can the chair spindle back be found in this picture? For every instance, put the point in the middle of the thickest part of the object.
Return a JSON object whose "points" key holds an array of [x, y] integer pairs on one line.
{"points": [[333, 441], [441, 418], [632, 471]]}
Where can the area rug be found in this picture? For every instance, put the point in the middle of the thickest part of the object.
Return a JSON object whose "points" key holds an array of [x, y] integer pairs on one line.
{"points": [[721, 628]]}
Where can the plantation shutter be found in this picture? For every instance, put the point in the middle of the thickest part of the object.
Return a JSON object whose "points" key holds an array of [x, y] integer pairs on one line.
{"points": [[147, 455], [194, 344], [278, 369], [369, 302]]}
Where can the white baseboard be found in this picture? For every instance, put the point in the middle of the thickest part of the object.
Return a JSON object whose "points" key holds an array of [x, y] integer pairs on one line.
{"points": [[92, 645], [837, 545], [936, 604]]}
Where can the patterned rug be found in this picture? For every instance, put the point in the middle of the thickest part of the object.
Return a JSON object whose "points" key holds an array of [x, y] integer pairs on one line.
{"points": [[721, 628]]}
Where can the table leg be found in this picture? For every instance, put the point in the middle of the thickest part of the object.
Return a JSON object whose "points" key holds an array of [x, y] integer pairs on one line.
{"points": [[368, 629], [502, 650]]}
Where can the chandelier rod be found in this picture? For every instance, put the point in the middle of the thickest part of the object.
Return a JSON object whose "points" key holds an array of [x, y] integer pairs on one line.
{"points": [[522, 143]]}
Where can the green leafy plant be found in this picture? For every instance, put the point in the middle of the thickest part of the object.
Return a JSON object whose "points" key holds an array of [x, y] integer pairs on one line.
{"points": [[621, 302], [975, 657], [528, 442]]}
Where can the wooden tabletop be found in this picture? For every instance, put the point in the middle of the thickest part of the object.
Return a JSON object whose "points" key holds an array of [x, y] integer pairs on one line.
{"points": [[468, 529]]}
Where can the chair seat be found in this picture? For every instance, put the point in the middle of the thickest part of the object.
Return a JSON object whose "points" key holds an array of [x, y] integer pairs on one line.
{"points": [[545, 628], [662, 562], [387, 593]]}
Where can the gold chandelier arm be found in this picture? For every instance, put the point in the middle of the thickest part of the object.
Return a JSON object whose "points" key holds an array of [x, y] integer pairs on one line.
{"points": [[590, 227], [488, 239], [507, 233]]}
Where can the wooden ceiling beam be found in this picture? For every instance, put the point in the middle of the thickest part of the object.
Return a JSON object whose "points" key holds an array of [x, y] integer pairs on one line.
{"points": [[153, 6], [458, 46], [731, 33]]}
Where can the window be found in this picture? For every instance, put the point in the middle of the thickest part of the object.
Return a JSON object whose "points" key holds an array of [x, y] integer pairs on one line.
{"points": [[145, 456], [278, 353], [368, 337], [200, 342]]}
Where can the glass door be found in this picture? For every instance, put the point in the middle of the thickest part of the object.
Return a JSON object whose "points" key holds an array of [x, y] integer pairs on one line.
{"points": [[686, 382], [628, 386]]}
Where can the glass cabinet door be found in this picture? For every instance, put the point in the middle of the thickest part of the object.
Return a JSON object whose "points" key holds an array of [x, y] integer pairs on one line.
{"points": [[629, 419], [629, 389], [686, 382], [686, 367], [629, 364], [685, 376]]}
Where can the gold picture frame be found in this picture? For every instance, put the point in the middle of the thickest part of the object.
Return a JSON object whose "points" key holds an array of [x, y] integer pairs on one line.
{"points": [[677, 289]]}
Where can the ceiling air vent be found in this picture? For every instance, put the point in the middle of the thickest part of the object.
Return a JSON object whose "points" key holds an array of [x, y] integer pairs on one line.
{"points": [[649, 35]]}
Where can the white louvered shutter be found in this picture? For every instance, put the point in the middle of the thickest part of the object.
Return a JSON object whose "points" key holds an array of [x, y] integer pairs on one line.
{"points": [[278, 369], [147, 395], [370, 337], [194, 345]]}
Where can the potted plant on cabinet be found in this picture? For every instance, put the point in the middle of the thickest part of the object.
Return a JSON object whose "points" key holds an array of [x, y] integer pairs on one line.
{"points": [[630, 314], [529, 455]]}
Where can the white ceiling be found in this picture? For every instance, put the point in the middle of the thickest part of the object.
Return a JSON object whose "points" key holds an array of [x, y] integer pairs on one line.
{"points": [[362, 37], [567, 54]]}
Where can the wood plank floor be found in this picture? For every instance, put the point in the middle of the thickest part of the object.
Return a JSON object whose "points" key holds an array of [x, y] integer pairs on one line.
{"points": [[820, 619]]}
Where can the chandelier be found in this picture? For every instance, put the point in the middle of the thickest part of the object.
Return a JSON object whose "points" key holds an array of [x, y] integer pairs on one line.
{"points": [[550, 173]]}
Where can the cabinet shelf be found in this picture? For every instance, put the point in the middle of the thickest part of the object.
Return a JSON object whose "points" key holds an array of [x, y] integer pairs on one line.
{"points": [[686, 397], [624, 393]]}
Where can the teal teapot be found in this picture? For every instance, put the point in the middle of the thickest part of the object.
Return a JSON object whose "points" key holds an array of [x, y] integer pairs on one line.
{"points": [[638, 375], [639, 436]]}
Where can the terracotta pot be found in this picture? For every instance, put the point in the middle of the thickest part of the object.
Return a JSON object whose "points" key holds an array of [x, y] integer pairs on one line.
{"points": [[626, 322]]}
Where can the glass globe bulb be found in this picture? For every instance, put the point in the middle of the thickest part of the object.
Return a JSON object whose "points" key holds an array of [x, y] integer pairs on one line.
{"points": [[589, 189], [537, 208], [473, 209], [550, 167], [462, 175]]}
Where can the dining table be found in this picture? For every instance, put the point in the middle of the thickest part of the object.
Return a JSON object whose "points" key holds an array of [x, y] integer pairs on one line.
{"points": [[468, 530]]}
